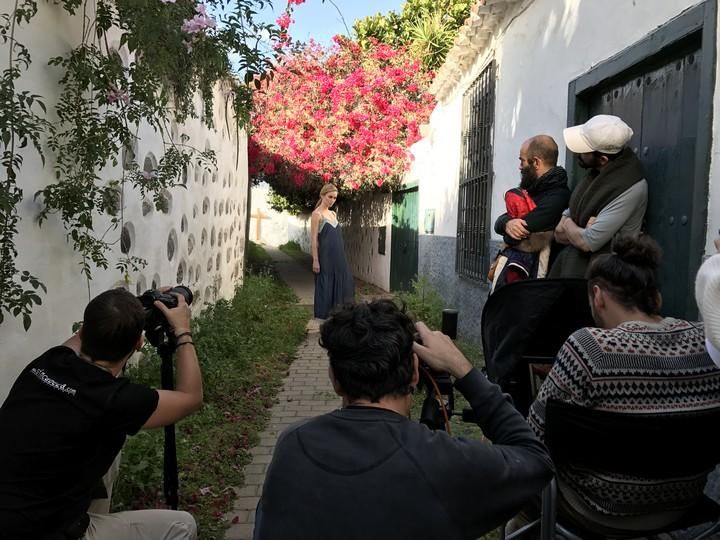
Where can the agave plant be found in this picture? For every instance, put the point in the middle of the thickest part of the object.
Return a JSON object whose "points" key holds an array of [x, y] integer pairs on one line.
{"points": [[432, 37]]}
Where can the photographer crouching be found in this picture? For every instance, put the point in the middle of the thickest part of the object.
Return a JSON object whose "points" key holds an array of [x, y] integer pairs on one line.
{"points": [[67, 417], [367, 471]]}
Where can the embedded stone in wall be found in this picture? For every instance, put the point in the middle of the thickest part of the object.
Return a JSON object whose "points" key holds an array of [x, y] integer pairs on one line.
{"points": [[165, 201], [147, 207], [180, 276], [171, 245], [127, 237], [140, 285], [128, 156]]}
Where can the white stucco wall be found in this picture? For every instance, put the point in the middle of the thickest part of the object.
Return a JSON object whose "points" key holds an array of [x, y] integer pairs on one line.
{"points": [[211, 267], [276, 228], [542, 46], [361, 220]]}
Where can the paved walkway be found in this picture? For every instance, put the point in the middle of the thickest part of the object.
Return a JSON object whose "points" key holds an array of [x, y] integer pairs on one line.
{"points": [[306, 392]]}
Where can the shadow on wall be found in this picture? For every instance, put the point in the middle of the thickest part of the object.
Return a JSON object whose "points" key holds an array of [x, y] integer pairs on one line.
{"points": [[367, 237]]}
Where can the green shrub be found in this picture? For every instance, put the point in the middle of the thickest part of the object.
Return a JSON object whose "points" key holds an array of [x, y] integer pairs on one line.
{"points": [[290, 247], [423, 302]]}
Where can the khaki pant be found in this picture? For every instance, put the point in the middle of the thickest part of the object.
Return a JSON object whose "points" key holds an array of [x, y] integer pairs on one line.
{"points": [[136, 524], [142, 525]]}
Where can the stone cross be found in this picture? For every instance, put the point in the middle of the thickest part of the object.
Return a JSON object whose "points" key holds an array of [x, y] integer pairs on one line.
{"points": [[259, 216]]}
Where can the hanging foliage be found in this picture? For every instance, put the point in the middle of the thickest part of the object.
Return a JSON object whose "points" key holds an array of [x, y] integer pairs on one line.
{"points": [[174, 50]]}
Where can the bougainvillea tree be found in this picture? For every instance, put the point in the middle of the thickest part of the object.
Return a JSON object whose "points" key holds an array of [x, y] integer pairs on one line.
{"points": [[344, 114]]}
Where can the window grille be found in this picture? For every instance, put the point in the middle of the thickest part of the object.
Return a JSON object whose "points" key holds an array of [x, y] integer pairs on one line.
{"points": [[476, 177]]}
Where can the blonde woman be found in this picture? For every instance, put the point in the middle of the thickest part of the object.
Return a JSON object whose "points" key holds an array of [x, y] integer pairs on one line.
{"points": [[333, 280]]}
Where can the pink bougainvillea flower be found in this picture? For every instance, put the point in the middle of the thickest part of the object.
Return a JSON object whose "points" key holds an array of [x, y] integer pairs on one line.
{"points": [[341, 113], [269, 168], [296, 2], [284, 21]]}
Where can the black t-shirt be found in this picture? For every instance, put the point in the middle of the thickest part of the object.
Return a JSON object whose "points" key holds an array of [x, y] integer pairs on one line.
{"points": [[61, 427]]}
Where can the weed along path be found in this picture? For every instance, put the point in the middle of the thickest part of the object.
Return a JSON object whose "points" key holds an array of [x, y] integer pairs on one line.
{"points": [[306, 392]]}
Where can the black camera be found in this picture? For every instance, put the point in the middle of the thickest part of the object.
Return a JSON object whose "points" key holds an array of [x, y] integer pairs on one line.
{"points": [[157, 328], [439, 404]]}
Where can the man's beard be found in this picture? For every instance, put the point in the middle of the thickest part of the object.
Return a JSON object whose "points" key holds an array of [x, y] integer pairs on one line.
{"points": [[528, 177], [590, 164]]}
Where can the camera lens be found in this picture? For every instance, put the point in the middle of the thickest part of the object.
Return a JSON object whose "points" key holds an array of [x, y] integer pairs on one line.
{"points": [[184, 292]]}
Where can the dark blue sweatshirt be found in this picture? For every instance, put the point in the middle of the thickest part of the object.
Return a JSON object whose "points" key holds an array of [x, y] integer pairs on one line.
{"points": [[369, 473]]}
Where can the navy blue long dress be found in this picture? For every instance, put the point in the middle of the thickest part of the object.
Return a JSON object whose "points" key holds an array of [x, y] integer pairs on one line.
{"points": [[334, 284]]}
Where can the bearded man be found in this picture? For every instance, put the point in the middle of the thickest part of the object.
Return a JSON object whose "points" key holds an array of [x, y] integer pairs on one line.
{"points": [[528, 238]]}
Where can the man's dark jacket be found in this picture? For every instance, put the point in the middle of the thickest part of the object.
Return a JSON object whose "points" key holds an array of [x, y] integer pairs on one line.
{"points": [[551, 194], [364, 472]]}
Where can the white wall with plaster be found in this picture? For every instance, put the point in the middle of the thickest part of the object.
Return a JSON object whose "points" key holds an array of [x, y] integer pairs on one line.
{"points": [[273, 228], [198, 242], [361, 220]]}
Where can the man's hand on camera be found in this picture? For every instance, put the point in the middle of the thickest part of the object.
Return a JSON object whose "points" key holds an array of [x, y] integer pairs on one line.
{"points": [[179, 316], [440, 353]]}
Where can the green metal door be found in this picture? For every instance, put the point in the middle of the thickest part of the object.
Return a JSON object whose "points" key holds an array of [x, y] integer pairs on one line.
{"points": [[404, 242]]}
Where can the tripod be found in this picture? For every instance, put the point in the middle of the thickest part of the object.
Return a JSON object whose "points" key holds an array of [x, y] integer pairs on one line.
{"points": [[170, 472]]}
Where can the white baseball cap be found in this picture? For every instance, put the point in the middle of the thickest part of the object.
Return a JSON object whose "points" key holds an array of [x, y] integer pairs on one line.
{"points": [[602, 133]]}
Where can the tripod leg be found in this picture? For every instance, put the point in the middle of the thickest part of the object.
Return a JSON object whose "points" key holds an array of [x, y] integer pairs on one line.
{"points": [[170, 472]]}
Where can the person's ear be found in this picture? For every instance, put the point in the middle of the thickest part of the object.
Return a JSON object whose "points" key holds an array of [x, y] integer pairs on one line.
{"points": [[598, 297], [416, 371], [335, 384], [603, 160], [140, 342]]}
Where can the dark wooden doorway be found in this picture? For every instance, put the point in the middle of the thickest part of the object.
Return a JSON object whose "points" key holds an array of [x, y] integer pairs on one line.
{"points": [[662, 96]]}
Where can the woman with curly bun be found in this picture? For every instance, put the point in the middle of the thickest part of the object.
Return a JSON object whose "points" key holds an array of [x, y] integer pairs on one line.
{"points": [[637, 362]]}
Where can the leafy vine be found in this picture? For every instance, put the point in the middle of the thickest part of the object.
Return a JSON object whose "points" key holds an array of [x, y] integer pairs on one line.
{"points": [[175, 50]]}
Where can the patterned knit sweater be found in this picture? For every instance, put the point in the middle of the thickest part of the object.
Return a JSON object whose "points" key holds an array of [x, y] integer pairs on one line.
{"points": [[636, 367]]}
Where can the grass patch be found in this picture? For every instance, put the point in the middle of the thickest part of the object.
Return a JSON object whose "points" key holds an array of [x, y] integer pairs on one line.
{"points": [[245, 346], [259, 261], [294, 250], [291, 247]]}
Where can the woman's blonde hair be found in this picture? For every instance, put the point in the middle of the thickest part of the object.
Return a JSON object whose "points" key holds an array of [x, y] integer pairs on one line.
{"points": [[327, 188]]}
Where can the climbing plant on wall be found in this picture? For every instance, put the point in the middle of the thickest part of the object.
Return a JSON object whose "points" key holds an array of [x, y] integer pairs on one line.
{"points": [[345, 114], [174, 51]]}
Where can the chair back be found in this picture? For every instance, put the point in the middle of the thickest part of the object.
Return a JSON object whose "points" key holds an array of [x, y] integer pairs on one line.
{"points": [[654, 446], [527, 322]]}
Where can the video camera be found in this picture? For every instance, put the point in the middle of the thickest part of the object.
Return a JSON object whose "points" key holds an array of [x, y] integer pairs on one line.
{"points": [[439, 404], [157, 328]]}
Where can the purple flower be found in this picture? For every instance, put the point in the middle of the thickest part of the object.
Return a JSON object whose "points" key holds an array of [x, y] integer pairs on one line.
{"points": [[201, 21], [116, 95]]}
